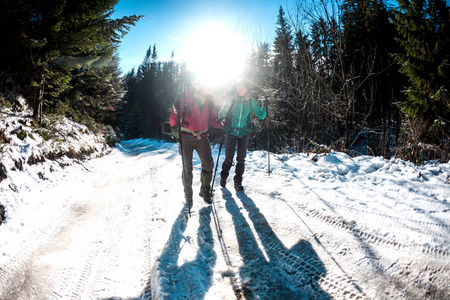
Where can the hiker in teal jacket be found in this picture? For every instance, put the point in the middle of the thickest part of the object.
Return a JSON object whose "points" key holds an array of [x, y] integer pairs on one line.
{"points": [[237, 122]]}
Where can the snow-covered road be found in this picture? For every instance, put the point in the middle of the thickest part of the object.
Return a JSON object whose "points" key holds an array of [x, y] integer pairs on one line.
{"points": [[338, 228]]}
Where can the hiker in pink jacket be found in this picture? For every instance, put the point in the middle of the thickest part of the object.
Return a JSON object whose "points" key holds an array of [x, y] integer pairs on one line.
{"points": [[197, 114]]}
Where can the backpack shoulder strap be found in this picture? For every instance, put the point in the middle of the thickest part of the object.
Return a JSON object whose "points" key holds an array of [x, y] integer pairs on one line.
{"points": [[185, 108], [210, 107], [231, 107]]}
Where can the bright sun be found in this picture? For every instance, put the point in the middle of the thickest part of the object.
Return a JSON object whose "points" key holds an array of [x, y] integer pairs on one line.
{"points": [[215, 53]]}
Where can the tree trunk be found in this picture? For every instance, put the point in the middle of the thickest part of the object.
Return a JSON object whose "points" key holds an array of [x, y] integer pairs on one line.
{"points": [[38, 114], [38, 104]]}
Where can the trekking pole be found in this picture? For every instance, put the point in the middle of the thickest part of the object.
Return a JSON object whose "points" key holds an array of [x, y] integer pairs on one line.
{"points": [[268, 142], [215, 171], [181, 143]]}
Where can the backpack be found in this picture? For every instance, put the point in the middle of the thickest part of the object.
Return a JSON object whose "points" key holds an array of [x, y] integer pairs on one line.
{"points": [[174, 130]]}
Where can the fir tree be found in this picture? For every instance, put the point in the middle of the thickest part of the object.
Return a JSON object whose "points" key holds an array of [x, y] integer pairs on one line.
{"points": [[424, 27], [150, 94], [283, 66], [283, 51], [62, 39]]}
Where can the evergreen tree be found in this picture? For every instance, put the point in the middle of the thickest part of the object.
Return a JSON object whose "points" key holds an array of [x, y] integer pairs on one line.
{"points": [[131, 114], [324, 48], [424, 27], [15, 43], [61, 38], [150, 94], [283, 114], [167, 91], [283, 51]]}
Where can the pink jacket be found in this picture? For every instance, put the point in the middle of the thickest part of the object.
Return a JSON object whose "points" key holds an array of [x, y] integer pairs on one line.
{"points": [[196, 120]]}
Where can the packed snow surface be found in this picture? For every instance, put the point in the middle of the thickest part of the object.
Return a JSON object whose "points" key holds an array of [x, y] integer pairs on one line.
{"points": [[317, 227]]}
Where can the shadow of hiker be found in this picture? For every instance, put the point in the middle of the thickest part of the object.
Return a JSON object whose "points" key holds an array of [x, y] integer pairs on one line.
{"points": [[142, 147], [192, 279], [285, 273]]}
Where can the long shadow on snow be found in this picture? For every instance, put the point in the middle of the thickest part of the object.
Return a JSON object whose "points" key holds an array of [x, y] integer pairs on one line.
{"points": [[281, 275], [370, 253], [140, 146], [192, 279]]}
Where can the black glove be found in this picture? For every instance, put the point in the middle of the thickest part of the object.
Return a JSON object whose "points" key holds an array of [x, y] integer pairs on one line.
{"points": [[266, 102]]}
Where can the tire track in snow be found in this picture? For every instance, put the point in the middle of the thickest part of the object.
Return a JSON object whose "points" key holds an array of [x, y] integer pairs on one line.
{"points": [[78, 275], [421, 225], [134, 212], [370, 236], [302, 269], [74, 278], [13, 269]]}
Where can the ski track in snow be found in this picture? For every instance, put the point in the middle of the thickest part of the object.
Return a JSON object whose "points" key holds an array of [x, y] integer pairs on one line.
{"points": [[335, 229]]}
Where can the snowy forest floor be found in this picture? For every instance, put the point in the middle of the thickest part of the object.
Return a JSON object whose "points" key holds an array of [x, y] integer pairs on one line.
{"points": [[115, 228]]}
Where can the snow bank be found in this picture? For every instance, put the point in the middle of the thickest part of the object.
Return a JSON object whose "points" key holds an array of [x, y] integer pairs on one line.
{"points": [[31, 155]]}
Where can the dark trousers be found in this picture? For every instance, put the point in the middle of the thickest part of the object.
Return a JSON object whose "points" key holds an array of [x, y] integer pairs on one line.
{"points": [[233, 143], [203, 149]]}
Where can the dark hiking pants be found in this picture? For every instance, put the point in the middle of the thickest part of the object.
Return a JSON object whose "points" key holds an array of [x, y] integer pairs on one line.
{"points": [[203, 149], [231, 143]]}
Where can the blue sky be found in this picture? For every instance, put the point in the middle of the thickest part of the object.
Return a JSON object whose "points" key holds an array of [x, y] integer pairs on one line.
{"points": [[169, 24]]}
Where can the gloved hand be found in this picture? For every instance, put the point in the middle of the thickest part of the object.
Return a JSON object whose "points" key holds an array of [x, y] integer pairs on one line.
{"points": [[223, 122], [176, 107], [266, 102]]}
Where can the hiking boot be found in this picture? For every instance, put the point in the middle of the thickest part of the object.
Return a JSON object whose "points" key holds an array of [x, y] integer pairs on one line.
{"points": [[189, 202], [238, 183], [223, 181], [206, 197], [186, 178], [205, 189], [224, 174]]}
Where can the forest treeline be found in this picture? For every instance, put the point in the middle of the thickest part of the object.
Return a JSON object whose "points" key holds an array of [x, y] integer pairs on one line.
{"points": [[361, 76]]}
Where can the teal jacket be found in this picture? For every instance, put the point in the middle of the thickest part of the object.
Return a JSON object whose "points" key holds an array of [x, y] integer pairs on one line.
{"points": [[238, 113]]}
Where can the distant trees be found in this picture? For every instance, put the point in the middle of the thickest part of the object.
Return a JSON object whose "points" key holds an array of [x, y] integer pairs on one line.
{"points": [[150, 93], [60, 54], [368, 39]]}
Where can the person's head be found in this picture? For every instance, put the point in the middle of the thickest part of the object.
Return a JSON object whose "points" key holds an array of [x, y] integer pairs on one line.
{"points": [[186, 80], [187, 77], [243, 88], [202, 91]]}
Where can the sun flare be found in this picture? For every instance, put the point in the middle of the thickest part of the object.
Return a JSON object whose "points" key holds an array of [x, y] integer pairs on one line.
{"points": [[215, 53]]}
